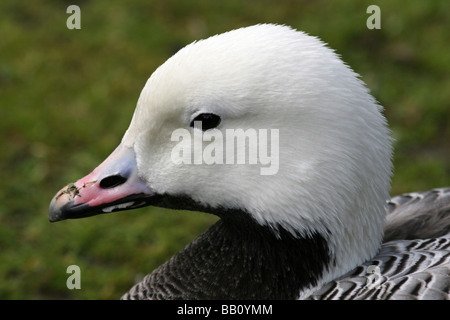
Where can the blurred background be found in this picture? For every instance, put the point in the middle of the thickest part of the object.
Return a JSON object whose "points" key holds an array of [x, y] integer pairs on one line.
{"points": [[67, 97]]}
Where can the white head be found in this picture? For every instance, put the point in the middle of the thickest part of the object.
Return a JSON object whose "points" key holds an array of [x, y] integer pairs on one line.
{"points": [[334, 166]]}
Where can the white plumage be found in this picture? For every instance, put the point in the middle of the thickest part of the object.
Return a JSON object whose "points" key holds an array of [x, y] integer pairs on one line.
{"points": [[334, 159]]}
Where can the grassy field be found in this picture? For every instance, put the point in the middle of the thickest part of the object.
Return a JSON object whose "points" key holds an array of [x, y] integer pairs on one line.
{"points": [[67, 97]]}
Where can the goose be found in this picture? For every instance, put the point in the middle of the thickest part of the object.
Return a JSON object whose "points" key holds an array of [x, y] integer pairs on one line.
{"points": [[314, 222]]}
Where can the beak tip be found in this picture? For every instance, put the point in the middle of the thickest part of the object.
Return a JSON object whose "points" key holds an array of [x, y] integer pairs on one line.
{"points": [[57, 208], [54, 212]]}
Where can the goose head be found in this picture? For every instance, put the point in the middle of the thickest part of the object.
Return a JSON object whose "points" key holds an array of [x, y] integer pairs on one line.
{"points": [[323, 151]]}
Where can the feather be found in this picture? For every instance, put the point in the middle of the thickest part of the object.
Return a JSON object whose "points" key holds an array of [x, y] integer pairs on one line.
{"points": [[414, 260]]}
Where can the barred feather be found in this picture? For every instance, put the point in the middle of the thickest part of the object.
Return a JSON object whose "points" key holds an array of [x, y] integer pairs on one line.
{"points": [[414, 261]]}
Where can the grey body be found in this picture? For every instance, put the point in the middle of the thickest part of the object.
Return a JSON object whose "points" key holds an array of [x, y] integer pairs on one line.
{"points": [[414, 260], [235, 260]]}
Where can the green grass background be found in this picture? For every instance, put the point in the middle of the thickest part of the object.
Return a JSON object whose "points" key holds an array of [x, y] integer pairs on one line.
{"points": [[67, 97]]}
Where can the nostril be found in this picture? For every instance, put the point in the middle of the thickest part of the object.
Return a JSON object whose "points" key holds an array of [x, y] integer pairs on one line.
{"points": [[112, 181]]}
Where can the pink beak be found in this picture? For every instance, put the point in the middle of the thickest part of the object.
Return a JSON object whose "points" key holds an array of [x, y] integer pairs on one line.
{"points": [[113, 186]]}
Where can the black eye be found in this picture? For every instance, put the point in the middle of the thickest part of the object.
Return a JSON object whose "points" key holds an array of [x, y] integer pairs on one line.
{"points": [[207, 121]]}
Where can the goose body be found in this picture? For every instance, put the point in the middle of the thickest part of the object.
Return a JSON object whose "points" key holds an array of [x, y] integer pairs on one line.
{"points": [[309, 229], [414, 260]]}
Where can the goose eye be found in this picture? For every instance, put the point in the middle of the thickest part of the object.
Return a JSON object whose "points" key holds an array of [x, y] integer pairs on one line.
{"points": [[208, 120]]}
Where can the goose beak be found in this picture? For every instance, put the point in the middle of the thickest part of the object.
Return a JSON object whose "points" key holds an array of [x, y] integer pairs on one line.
{"points": [[113, 186]]}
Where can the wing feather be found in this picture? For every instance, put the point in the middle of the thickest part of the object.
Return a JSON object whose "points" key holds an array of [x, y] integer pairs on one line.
{"points": [[414, 260]]}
